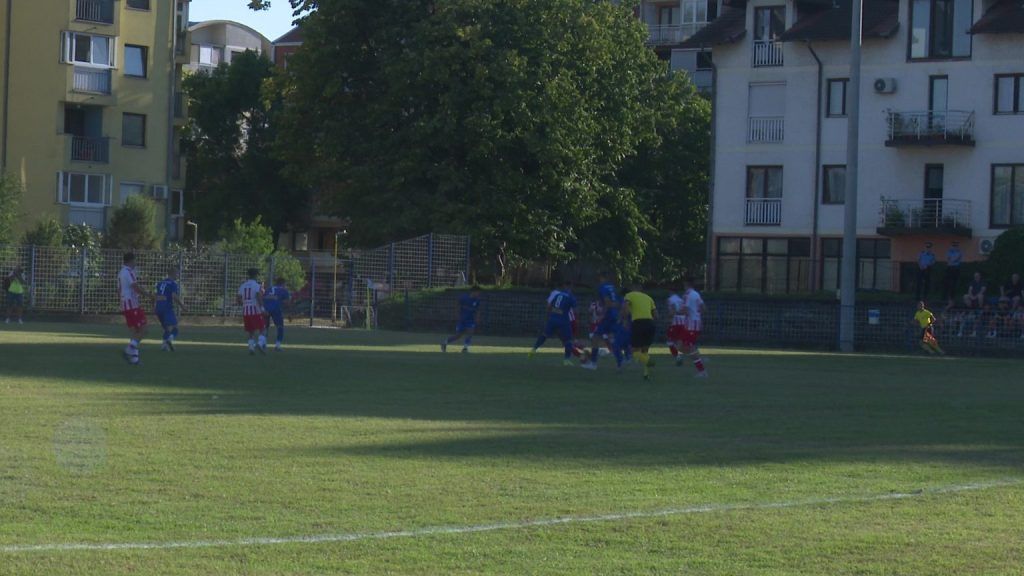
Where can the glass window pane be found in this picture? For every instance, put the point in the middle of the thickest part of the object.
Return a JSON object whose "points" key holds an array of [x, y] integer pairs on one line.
{"points": [[1020, 94], [729, 273], [774, 183], [777, 277], [865, 248], [96, 189], [883, 249], [778, 246], [77, 184], [83, 48], [832, 247], [866, 274], [128, 190], [835, 185], [800, 247], [752, 273], [729, 245], [799, 274], [883, 274], [919, 28], [1005, 93], [961, 24], [755, 183], [1018, 195], [135, 61], [101, 51], [1001, 182], [830, 274], [836, 98], [133, 130], [753, 246]]}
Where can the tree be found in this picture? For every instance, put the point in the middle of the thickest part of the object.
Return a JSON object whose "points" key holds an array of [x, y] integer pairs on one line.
{"points": [[255, 240], [229, 143], [46, 233], [134, 226], [10, 206], [1007, 256], [507, 121]]}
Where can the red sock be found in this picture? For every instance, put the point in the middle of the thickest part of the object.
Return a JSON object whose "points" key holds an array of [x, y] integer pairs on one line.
{"points": [[673, 350], [699, 364]]}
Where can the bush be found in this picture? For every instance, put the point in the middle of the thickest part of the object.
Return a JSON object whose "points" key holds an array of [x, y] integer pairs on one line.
{"points": [[288, 267], [134, 227], [46, 233], [10, 204], [250, 239], [82, 236]]}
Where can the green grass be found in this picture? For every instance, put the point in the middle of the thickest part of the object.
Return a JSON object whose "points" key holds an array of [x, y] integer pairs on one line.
{"points": [[354, 432]]}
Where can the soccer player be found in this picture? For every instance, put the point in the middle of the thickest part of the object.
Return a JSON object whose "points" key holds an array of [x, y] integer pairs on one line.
{"points": [[609, 324], [131, 293], [250, 297], [469, 309], [639, 309], [693, 313], [560, 318], [926, 320], [168, 293], [274, 301], [677, 310]]}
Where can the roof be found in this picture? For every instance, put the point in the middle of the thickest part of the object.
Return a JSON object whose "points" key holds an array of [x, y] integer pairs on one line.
{"points": [[729, 27], [1005, 17], [881, 20], [293, 36], [193, 26]]}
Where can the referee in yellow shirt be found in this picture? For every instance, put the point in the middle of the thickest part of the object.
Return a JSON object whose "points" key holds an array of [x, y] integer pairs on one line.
{"points": [[640, 309]]}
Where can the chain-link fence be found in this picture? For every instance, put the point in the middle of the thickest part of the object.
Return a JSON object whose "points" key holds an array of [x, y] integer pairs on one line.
{"points": [[342, 291]]}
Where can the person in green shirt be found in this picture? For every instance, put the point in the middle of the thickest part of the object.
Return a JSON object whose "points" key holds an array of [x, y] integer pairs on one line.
{"points": [[926, 320], [639, 308], [15, 284]]}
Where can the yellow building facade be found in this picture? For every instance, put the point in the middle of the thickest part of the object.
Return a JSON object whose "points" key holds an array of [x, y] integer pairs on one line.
{"points": [[92, 107]]}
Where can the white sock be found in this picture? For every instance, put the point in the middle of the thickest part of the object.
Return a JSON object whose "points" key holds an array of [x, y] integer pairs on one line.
{"points": [[263, 340], [252, 343]]}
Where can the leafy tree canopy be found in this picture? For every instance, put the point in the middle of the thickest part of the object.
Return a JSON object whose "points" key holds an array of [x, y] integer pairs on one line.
{"points": [[10, 206], [134, 226]]}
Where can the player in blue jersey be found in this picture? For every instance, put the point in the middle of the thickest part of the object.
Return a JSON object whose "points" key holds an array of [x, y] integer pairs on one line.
{"points": [[469, 311], [608, 328], [168, 294], [274, 301], [561, 304]]}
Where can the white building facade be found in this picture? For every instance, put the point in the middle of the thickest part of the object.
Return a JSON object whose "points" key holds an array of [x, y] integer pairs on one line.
{"points": [[670, 23], [941, 138]]}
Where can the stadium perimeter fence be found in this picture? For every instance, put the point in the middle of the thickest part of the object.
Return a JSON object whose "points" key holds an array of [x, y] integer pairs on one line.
{"points": [[337, 292], [770, 323]]}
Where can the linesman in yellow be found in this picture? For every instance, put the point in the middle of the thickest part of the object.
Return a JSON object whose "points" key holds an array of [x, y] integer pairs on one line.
{"points": [[639, 309], [926, 320]]}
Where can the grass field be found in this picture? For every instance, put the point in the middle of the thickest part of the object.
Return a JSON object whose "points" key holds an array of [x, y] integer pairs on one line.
{"points": [[391, 458]]}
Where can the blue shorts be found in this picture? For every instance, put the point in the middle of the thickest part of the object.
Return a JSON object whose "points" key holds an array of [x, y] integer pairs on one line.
{"points": [[277, 316], [559, 325], [166, 318], [608, 325], [15, 300], [465, 325]]}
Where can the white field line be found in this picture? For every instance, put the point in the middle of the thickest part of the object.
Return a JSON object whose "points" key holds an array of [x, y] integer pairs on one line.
{"points": [[515, 525]]}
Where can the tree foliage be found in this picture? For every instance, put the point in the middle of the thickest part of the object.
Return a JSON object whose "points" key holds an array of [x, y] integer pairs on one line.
{"points": [[1007, 256], [247, 238], [134, 226], [508, 121], [10, 206], [47, 233], [230, 148]]}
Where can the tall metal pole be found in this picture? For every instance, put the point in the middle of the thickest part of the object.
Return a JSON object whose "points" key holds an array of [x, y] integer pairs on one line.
{"points": [[848, 295]]}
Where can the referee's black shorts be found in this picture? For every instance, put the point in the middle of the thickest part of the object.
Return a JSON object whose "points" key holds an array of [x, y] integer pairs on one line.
{"points": [[643, 333]]}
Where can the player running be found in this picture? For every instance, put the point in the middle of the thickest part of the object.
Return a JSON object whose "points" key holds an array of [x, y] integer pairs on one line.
{"points": [[926, 320], [273, 302], [608, 327], [469, 310], [168, 293], [639, 309], [250, 297], [131, 294], [560, 306], [687, 323]]}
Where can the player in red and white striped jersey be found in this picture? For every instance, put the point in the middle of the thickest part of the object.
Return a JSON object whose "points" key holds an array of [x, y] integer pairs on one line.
{"points": [[692, 323], [129, 290], [250, 298]]}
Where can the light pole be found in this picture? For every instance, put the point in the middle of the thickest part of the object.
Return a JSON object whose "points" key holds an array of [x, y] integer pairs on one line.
{"points": [[848, 288], [334, 283], [195, 234]]}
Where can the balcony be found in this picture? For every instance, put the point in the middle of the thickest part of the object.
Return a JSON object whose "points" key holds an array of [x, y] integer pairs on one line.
{"points": [[933, 217], [763, 212], [767, 53], [938, 128], [91, 80], [101, 11], [669, 35], [95, 150], [765, 129]]}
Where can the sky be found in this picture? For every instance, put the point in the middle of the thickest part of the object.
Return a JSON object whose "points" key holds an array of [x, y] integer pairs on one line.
{"points": [[271, 23]]}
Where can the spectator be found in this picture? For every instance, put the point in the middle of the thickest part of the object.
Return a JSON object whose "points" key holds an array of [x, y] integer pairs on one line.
{"points": [[1002, 320], [975, 297], [15, 285], [954, 257], [1013, 291], [925, 261]]}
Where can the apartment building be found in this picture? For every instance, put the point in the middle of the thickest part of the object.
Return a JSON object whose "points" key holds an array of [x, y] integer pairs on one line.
{"points": [[287, 45], [941, 137], [670, 23], [89, 105], [216, 42]]}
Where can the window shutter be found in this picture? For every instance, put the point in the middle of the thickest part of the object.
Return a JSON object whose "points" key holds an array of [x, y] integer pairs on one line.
{"points": [[60, 188], [66, 42]]}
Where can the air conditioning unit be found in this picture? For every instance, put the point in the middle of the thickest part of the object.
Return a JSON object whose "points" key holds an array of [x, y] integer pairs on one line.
{"points": [[159, 192], [986, 245], [885, 85]]}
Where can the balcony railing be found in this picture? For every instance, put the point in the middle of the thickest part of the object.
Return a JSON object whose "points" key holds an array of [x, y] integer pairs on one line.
{"points": [[763, 212], [90, 149], [927, 216], [762, 129], [767, 53], [668, 35], [101, 11], [92, 80], [931, 128]]}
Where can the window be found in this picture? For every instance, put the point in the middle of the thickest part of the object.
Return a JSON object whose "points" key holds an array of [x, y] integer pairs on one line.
{"points": [[764, 182], [874, 264], [83, 189], [769, 22], [939, 28], [133, 130], [135, 60], [177, 203], [695, 11], [1007, 195], [764, 265], [210, 55], [836, 107], [668, 15], [833, 184], [1009, 97], [129, 189], [704, 61], [139, 4], [88, 50]]}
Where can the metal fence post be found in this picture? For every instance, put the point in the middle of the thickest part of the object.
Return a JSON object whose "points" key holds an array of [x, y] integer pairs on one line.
{"points": [[32, 280], [391, 266], [430, 261], [81, 279], [224, 307], [312, 289], [466, 276]]}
